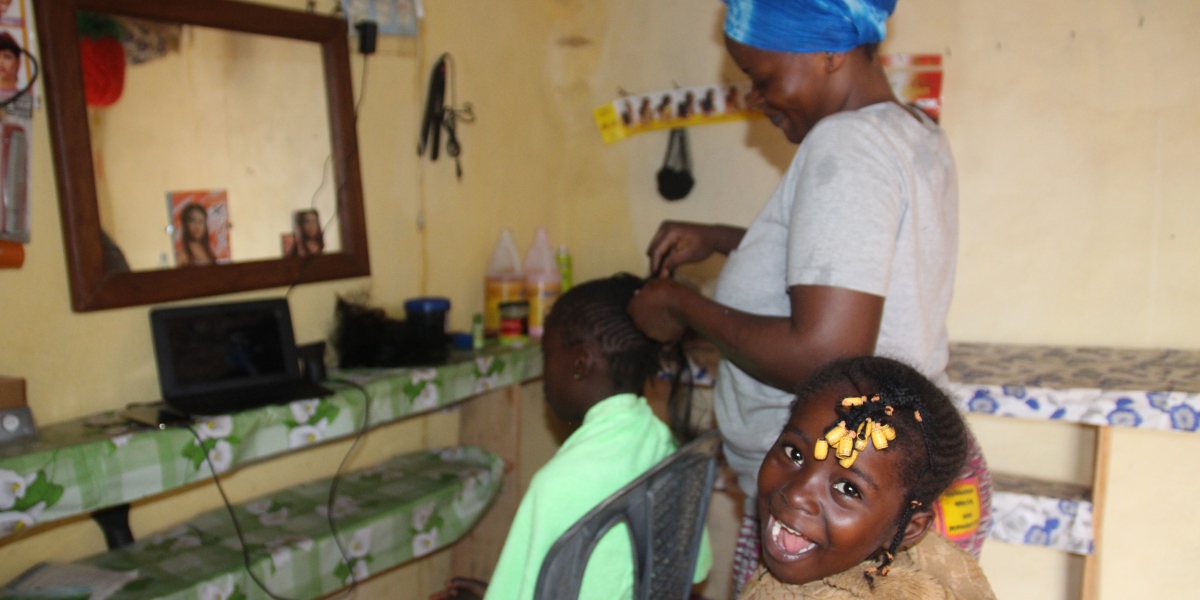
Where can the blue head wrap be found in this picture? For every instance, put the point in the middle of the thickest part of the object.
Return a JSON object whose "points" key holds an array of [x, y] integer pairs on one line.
{"points": [[807, 25]]}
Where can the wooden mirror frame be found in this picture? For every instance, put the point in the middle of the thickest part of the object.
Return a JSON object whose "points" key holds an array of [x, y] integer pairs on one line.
{"points": [[94, 289]]}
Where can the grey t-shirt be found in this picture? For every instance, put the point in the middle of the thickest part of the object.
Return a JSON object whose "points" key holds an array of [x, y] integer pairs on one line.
{"points": [[869, 203]]}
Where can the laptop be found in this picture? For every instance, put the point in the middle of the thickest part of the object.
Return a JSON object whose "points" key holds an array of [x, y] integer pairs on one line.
{"points": [[223, 358]]}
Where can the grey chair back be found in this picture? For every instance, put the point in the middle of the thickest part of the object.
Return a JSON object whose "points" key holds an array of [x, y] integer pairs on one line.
{"points": [[664, 511]]}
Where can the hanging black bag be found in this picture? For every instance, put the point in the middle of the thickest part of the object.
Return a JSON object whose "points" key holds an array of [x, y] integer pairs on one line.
{"points": [[675, 179]]}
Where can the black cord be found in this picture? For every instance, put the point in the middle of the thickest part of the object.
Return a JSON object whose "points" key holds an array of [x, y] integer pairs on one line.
{"points": [[37, 70], [337, 474], [362, 93], [333, 486], [237, 526]]}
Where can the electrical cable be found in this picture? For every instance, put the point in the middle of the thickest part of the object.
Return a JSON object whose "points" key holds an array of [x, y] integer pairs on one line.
{"points": [[362, 93], [337, 474], [237, 526], [329, 506]]}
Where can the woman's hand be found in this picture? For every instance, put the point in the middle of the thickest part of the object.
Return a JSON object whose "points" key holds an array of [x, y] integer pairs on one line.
{"points": [[679, 243], [652, 309], [461, 588]]}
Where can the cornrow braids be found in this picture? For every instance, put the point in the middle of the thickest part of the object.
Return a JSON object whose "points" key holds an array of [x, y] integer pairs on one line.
{"points": [[928, 431], [594, 313]]}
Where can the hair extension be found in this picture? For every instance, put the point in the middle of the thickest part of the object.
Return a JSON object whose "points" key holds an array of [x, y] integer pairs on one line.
{"points": [[595, 313], [919, 411], [679, 400]]}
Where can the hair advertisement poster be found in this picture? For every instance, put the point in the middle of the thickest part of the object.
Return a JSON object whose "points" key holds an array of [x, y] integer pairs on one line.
{"points": [[16, 41], [916, 79], [16, 123], [199, 223], [702, 105]]}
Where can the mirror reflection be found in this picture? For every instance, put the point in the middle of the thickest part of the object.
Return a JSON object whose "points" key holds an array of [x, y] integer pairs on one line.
{"points": [[216, 150]]}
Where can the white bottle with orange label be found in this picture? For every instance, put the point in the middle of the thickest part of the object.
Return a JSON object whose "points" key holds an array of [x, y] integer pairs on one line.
{"points": [[503, 282]]}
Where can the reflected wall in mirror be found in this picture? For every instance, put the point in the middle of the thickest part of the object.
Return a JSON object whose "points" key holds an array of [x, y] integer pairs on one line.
{"points": [[231, 151], [235, 114]]}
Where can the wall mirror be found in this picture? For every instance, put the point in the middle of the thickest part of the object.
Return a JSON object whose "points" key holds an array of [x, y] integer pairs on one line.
{"points": [[228, 162]]}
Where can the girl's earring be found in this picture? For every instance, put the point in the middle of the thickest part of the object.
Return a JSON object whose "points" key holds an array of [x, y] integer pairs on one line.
{"points": [[578, 376]]}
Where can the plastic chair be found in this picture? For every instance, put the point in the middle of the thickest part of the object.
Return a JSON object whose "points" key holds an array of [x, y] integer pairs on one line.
{"points": [[664, 511]]}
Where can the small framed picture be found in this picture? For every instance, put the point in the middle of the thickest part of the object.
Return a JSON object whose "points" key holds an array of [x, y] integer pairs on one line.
{"points": [[307, 237]]}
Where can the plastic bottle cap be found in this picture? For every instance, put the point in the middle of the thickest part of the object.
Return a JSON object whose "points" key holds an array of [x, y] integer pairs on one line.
{"points": [[427, 304]]}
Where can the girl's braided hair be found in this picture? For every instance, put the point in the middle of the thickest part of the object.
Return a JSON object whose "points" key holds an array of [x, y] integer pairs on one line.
{"points": [[595, 313], [930, 434]]}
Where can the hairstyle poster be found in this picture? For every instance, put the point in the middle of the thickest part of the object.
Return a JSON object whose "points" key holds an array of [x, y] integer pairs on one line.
{"points": [[307, 237], [394, 17], [703, 105], [16, 119], [16, 39], [200, 227], [916, 79]]}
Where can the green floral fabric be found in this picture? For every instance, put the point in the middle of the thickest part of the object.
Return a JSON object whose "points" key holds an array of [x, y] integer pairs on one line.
{"points": [[101, 461], [386, 515]]}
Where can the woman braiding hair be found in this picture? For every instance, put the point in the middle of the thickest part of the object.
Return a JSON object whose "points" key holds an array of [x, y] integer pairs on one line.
{"points": [[853, 254]]}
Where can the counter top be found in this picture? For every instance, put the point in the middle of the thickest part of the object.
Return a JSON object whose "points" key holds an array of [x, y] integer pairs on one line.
{"points": [[100, 461], [1143, 388]]}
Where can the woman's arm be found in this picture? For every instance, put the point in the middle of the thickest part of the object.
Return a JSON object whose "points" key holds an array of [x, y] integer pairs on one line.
{"points": [[827, 323]]}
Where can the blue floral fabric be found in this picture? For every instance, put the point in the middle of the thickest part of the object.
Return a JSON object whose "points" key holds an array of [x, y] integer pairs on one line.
{"points": [[1037, 513], [1150, 389], [1140, 388]]}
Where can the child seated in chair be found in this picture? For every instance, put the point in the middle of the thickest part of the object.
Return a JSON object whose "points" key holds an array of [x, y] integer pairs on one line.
{"points": [[595, 365], [846, 494]]}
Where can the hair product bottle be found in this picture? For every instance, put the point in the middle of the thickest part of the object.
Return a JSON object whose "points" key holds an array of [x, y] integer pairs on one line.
{"points": [[503, 282], [543, 283], [563, 258]]}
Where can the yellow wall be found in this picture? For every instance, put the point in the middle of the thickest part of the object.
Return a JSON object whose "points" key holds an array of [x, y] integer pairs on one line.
{"points": [[1072, 123]]}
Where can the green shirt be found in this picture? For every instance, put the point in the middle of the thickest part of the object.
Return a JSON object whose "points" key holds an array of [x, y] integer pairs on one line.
{"points": [[619, 440]]}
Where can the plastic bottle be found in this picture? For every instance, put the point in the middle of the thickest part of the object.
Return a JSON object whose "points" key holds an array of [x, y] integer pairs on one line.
{"points": [[503, 282], [543, 283], [563, 258], [477, 332]]}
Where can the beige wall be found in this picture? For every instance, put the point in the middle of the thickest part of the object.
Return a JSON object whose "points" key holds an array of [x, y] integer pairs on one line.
{"points": [[233, 111], [1072, 123]]}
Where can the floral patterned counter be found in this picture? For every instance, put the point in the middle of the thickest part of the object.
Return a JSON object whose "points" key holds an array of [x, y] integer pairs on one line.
{"points": [[102, 461], [1149, 389], [1154, 389], [388, 514]]}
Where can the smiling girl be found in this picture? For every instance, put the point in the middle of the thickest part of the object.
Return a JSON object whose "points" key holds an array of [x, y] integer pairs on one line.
{"points": [[846, 493]]}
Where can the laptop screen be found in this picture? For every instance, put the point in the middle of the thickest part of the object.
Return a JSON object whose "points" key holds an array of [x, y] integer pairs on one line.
{"points": [[219, 347]]}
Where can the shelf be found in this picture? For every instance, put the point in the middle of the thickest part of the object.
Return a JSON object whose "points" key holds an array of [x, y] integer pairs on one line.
{"points": [[388, 514], [1036, 512], [1147, 389], [101, 461]]}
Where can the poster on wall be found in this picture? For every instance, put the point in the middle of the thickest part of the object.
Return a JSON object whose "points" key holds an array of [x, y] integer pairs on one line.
{"points": [[16, 118], [916, 79], [307, 237], [668, 109], [16, 36], [199, 222], [394, 17]]}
